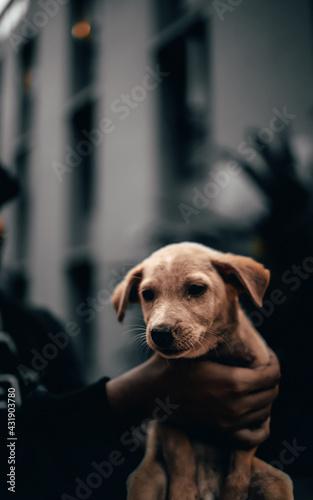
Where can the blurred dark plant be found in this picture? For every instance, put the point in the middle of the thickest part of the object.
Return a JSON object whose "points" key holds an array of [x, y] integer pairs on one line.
{"points": [[285, 235]]}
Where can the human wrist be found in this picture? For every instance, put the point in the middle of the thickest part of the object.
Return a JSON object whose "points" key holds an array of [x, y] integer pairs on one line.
{"points": [[130, 395]]}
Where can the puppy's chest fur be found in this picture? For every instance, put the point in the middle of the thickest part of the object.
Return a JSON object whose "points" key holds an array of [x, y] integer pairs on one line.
{"points": [[212, 464], [211, 461]]}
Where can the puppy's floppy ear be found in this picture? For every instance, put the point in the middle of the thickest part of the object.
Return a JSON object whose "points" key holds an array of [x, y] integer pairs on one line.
{"points": [[252, 275], [127, 291]]}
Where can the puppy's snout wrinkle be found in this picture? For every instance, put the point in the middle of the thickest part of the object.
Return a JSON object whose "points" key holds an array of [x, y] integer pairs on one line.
{"points": [[162, 337]]}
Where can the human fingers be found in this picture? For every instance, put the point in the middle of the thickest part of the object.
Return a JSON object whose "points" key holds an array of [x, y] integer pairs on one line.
{"points": [[257, 400], [247, 380], [249, 438], [252, 419]]}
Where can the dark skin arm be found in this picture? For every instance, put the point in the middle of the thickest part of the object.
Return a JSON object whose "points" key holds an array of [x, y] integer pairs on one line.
{"points": [[228, 399]]}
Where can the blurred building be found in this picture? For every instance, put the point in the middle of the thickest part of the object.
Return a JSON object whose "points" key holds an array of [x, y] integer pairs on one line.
{"points": [[110, 113]]}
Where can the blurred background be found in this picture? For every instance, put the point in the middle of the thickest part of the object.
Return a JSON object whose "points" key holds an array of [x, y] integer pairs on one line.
{"points": [[133, 124]]}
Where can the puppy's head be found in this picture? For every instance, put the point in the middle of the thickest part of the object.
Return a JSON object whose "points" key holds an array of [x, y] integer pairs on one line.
{"points": [[187, 292]]}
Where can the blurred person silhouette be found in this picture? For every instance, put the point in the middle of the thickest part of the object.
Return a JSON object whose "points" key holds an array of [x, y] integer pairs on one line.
{"points": [[63, 374], [74, 441]]}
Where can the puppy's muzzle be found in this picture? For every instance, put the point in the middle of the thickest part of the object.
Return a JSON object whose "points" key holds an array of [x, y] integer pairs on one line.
{"points": [[162, 338]]}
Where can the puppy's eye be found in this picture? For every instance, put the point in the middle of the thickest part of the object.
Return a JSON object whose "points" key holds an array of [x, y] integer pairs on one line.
{"points": [[147, 295], [196, 290]]}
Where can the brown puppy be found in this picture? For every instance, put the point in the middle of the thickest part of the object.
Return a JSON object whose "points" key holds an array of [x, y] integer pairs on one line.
{"points": [[189, 298]]}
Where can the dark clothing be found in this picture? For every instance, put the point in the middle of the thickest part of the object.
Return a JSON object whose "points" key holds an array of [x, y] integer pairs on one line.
{"points": [[32, 331], [66, 446]]}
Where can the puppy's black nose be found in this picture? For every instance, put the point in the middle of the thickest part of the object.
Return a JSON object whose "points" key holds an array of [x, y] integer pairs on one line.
{"points": [[162, 338]]}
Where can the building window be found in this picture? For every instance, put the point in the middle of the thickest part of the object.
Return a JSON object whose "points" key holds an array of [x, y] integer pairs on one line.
{"points": [[1, 100], [184, 103], [26, 89], [23, 206], [169, 11], [81, 181], [82, 44], [80, 279]]}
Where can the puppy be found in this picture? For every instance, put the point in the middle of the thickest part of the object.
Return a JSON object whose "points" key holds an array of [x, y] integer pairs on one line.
{"points": [[189, 298]]}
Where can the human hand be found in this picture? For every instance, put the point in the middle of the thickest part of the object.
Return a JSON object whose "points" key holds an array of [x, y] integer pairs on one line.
{"points": [[234, 401]]}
